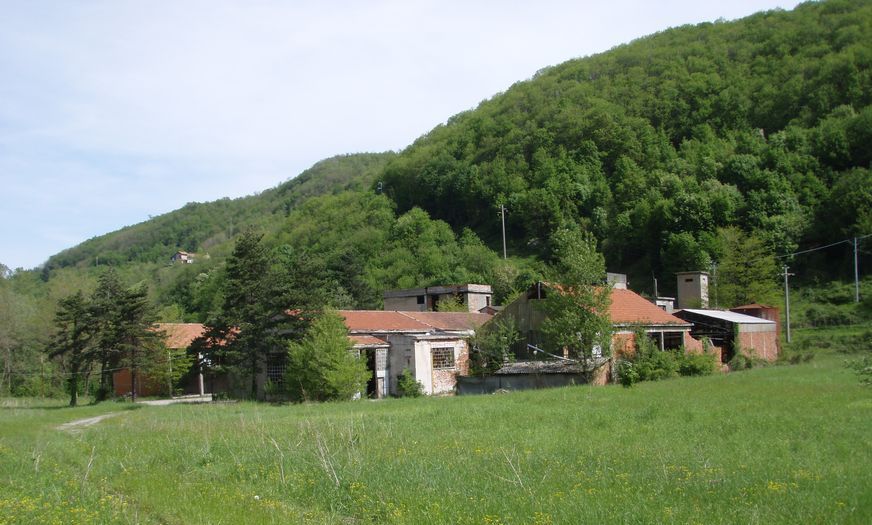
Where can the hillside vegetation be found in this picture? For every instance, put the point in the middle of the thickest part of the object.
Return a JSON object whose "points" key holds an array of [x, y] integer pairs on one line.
{"points": [[763, 124]]}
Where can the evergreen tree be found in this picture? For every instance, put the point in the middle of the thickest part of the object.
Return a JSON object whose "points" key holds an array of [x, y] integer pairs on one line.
{"points": [[244, 325], [105, 311], [73, 322], [323, 365], [138, 340]]}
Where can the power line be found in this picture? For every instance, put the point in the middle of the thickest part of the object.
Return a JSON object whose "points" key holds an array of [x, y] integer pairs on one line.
{"points": [[818, 248]]}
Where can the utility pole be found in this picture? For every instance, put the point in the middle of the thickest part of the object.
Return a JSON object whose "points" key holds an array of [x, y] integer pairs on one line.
{"points": [[503, 219], [787, 300], [856, 274]]}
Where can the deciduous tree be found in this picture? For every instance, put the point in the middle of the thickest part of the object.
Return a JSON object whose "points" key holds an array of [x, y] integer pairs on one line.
{"points": [[323, 366]]}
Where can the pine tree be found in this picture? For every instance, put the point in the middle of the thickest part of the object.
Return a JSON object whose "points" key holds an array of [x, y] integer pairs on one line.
{"points": [[105, 313], [138, 340], [74, 324]]}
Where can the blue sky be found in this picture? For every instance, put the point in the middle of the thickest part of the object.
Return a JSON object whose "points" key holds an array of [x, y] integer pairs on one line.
{"points": [[111, 112]]}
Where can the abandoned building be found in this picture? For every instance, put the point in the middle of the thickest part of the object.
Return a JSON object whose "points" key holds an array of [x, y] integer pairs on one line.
{"points": [[693, 289], [177, 336], [431, 345], [731, 331], [628, 312], [474, 296], [182, 257]]}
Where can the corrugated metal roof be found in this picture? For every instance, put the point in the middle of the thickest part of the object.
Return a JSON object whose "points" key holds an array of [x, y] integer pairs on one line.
{"points": [[732, 317]]}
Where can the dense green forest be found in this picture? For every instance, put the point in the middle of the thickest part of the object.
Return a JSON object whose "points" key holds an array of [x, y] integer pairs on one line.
{"points": [[730, 143], [764, 124]]}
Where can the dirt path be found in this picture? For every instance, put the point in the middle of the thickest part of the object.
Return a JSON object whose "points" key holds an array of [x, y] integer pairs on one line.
{"points": [[79, 424]]}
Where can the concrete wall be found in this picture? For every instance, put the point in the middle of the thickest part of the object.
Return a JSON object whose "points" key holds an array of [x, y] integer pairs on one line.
{"points": [[440, 381], [477, 301], [693, 289], [401, 356], [490, 384], [404, 304]]}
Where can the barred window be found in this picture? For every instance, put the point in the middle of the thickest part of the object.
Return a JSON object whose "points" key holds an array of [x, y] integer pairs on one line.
{"points": [[443, 358], [275, 368]]}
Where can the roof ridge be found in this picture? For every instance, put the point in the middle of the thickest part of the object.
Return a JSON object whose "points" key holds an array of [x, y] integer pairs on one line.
{"points": [[412, 317]]}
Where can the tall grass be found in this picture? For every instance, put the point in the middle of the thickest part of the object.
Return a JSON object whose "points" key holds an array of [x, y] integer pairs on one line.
{"points": [[776, 445]]}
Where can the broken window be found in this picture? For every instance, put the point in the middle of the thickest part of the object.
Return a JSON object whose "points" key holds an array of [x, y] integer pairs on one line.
{"points": [[443, 358], [672, 340]]}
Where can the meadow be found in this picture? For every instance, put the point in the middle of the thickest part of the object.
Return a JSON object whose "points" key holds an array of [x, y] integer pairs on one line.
{"points": [[781, 444]]}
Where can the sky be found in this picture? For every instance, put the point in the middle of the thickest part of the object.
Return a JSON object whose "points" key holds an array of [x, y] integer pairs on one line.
{"points": [[113, 112]]}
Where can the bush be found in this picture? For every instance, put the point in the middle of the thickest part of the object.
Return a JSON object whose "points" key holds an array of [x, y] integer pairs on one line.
{"points": [[657, 365], [696, 364], [863, 368], [323, 366], [741, 362], [627, 373], [408, 386]]}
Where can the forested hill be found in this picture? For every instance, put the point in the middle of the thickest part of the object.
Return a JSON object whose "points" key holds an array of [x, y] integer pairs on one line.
{"points": [[204, 227], [729, 142], [763, 124]]}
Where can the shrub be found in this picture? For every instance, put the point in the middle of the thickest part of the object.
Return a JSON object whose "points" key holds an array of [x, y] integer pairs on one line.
{"points": [[408, 386], [696, 364], [863, 368], [323, 366], [627, 373], [657, 365], [741, 362]]}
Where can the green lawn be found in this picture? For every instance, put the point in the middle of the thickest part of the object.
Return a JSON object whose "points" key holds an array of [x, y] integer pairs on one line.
{"points": [[784, 444]]}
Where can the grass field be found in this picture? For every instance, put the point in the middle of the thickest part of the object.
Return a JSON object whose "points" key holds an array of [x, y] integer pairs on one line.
{"points": [[783, 444]]}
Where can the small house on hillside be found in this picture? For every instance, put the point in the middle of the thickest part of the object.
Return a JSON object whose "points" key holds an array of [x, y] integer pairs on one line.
{"points": [[731, 331], [182, 257], [431, 345]]}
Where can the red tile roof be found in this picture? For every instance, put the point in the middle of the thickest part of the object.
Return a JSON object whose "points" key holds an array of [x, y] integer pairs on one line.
{"points": [[391, 321], [181, 335], [381, 321], [628, 307], [451, 320]]}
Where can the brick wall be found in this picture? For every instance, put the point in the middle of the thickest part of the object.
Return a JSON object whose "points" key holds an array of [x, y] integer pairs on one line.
{"points": [[760, 345]]}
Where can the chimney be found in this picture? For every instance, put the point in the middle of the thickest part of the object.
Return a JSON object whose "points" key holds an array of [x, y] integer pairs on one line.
{"points": [[693, 289]]}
